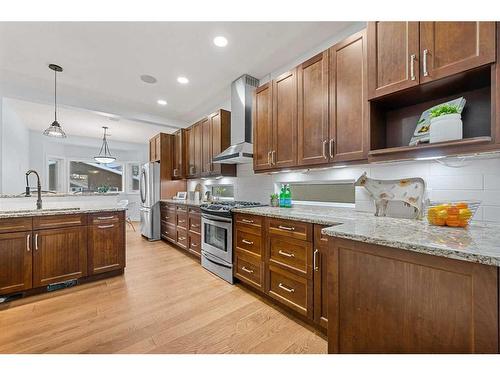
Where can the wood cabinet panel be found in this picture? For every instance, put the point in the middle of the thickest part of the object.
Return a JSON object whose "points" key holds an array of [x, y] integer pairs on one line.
{"points": [[284, 134], [393, 57], [190, 151], [106, 247], [15, 262], [206, 147], [168, 231], [385, 300], [312, 124], [290, 228], [59, 255], [198, 158], [179, 154], [17, 224], [348, 101], [106, 217], [262, 118], [182, 238], [216, 137], [290, 289], [320, 274], [194, 223], [248, 241], [181, 218], [291, 254], [452, 47], [249, 221], [59, 221], [194, 243]]}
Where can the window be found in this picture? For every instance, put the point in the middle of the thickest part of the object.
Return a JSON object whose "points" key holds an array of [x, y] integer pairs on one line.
{"points": [[95, 177], [133, 177], [222, 191], [54, 174], [340, 192]]}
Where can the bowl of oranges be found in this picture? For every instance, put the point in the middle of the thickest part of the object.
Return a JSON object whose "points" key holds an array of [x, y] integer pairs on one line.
{"points": [[452, 214]]}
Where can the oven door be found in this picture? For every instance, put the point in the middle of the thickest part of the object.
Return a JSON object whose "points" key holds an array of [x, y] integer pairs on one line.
{"points": [[217, 237]]}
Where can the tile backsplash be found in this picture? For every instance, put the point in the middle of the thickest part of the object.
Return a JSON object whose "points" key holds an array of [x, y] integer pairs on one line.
{"points": [[450, 179]]}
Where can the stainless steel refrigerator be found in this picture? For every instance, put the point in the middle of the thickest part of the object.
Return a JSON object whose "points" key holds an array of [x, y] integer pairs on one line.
{"points": [[149, 188]]}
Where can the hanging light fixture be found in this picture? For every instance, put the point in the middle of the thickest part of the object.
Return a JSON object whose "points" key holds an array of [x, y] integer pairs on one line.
{"points": [[55, 130], [104, 154]]}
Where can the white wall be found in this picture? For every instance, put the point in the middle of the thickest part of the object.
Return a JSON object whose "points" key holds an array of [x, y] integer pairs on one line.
{"points": [[15, 151]]}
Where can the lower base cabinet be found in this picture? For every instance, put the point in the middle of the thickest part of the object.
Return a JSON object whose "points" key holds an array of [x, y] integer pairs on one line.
{"points": [[386, 300], [106, 247], [181, 225], [15, 262]]}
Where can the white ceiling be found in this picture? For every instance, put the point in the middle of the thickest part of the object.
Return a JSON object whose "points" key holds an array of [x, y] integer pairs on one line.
{"points": [[83, 123], [102, 63]]}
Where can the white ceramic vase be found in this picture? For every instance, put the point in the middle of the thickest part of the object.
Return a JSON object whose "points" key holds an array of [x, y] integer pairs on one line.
{"points": [[446, 128]]}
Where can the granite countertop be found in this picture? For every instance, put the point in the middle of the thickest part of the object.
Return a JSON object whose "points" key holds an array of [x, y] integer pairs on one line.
{"points": [[184, 202], [46, 194], [23, 212], [479, 242]]}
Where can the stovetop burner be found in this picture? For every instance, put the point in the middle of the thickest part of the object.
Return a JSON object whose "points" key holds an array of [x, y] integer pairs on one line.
{"points": [[225, 207]]}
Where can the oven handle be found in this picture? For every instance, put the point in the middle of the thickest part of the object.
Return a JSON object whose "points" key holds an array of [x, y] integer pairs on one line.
{"points": [[217, 218], [212, 259]]}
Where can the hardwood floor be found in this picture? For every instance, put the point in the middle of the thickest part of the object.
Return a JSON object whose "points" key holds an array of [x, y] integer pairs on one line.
{"points": [[164, 303]]}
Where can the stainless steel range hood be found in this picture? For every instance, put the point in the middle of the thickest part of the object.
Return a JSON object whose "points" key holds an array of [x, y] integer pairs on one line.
{"points": [[241, 149]]}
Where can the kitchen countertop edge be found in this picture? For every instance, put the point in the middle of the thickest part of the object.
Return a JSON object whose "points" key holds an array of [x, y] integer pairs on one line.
{"points": [[15, 214]]}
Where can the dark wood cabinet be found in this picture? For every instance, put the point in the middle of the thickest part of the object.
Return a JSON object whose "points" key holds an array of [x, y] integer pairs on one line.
{"points": [[393, 57], [447, 48], [198, 162], [155, 146], [348, 100], [179, 155], [320, 273], [284, 133], [59, 255], [386, 300], [312, 126], [106, 247], [206, 147], [190, 152], [262, 118], [15, 262]]}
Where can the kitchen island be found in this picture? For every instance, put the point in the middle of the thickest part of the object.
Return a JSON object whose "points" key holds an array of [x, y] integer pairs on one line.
{"points": [[395, 285], [48, 249]]}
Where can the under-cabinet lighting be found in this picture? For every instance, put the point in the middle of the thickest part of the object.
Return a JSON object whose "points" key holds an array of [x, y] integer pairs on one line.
{"points": [[430, 158]]}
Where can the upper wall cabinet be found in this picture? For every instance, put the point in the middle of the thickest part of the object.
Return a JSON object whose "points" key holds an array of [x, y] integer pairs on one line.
{"points": [[284, 152], [262, 117], [179, 157], [313, 132], [452, 47], [206, 147], [220, 127], [405, 54], [348, 100], [392, 53]]}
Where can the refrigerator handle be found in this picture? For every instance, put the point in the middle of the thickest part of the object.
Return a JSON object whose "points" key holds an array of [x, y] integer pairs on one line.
{"points": [[141, 185]]}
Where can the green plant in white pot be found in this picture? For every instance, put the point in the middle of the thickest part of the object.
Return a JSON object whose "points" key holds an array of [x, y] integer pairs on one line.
{"points": [[446, 123]]}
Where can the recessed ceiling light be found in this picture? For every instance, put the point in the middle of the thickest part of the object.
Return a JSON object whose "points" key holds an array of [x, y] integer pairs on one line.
{"points": [[220, 41], [146, 78], [161, 102], [182, 80]]}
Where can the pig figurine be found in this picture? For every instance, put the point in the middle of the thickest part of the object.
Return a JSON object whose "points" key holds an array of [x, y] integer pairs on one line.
{"points": [[407, 190]]}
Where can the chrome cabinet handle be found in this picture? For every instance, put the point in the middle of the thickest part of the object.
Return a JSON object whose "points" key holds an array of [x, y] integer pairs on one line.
{"points": [[272, 157], [412, 67], [194, 244], [247, 221], [315, 261], [195, 225], [181, 221], [182, 238], [105, 226], [330, 148], [285, 288], [28, 238], [36, 241], [175, 172], [424, 63], [286, 228], [167, 217], [105, 217], [324, 148], [246, 270], [269, 158], [247, 242], [284, 253]]}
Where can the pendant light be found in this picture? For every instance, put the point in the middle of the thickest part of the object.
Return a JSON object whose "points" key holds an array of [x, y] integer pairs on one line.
{"points": [[105, 157], [55, 130]]}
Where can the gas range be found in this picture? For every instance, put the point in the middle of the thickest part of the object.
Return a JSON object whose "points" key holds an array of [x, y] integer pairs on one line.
{"points": [[224, 208]]}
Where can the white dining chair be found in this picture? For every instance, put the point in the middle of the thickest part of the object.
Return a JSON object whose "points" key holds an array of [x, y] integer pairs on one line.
{"points": [[125, 203]]}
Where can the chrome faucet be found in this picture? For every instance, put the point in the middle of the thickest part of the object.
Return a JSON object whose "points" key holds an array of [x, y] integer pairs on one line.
{"points": [[38, 186]]}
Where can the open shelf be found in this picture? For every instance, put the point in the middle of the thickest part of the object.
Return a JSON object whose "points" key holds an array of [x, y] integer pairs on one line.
{"points": [[427, 146]]}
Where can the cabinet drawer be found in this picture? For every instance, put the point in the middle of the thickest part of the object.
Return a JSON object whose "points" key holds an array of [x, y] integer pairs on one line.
{"points": [[290, 253], [59, 221], [106, 217], [248, 269], [17, 224], [194, 224], [194, 211], [248, 241], [168, 231], [289, 289], [168, 216], [194, 242], [293, 229], [181, 238], [181, 209], [181, 220], [249, 220]]}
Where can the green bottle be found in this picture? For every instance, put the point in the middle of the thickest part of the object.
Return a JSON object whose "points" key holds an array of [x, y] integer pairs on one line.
{"points": [[282, 196], [288, 196]]}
